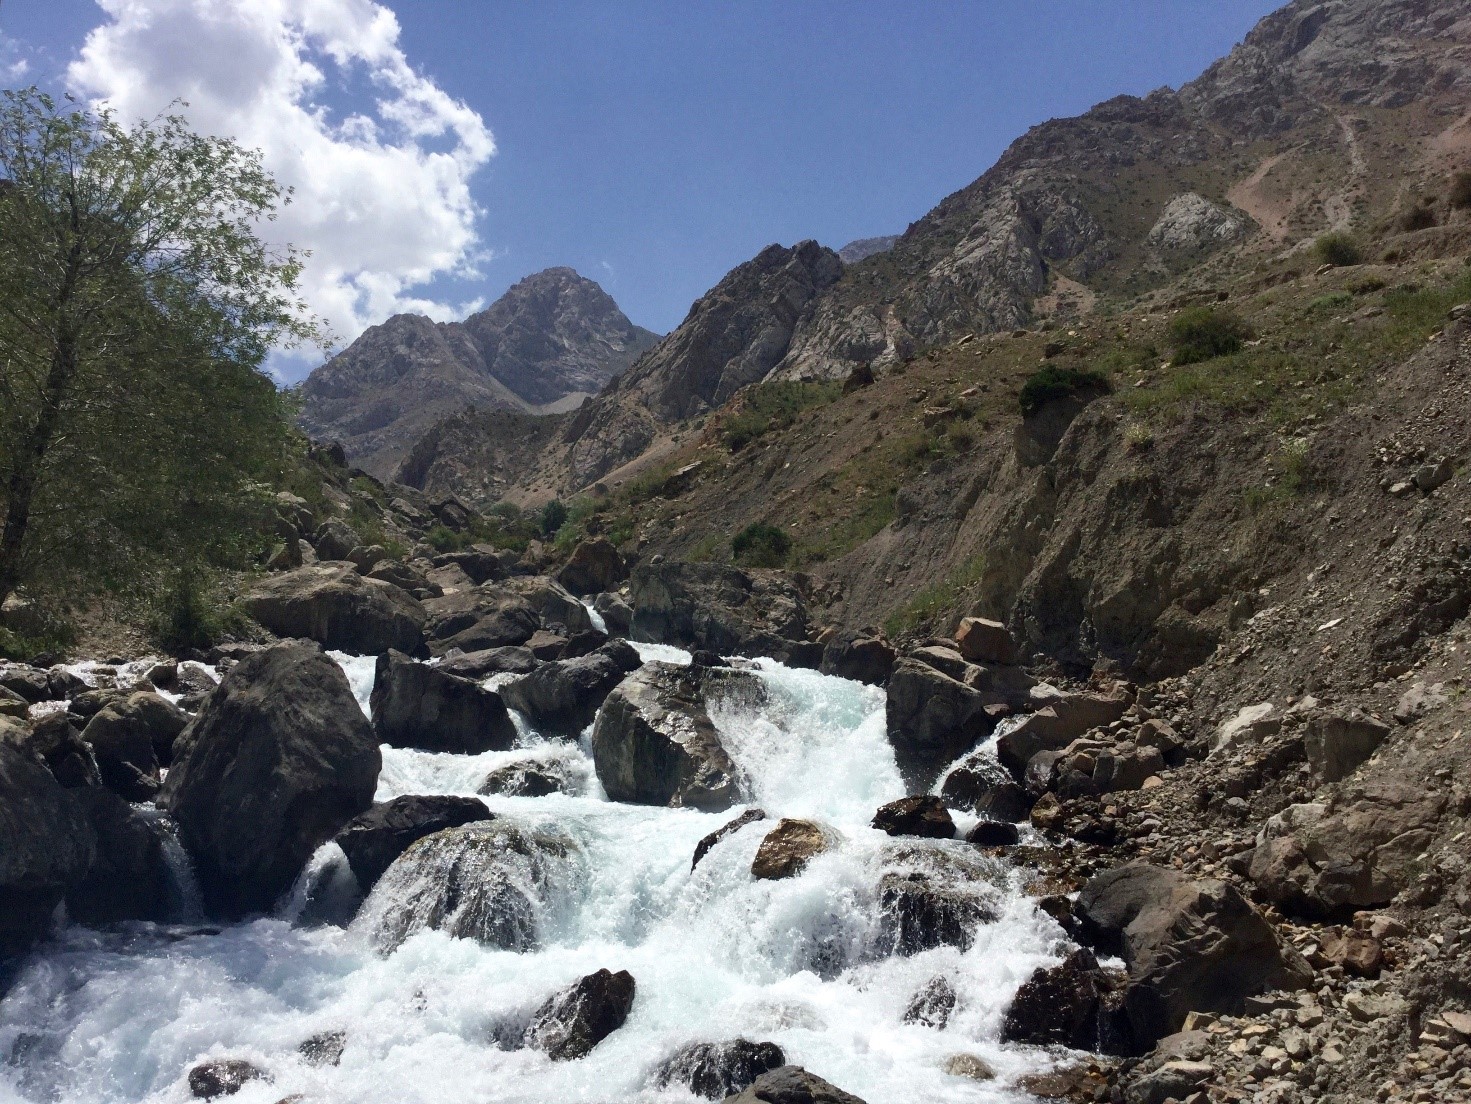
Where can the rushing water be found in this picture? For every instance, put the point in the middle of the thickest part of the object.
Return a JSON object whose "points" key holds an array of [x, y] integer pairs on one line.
{"points": [[122, 1015]]}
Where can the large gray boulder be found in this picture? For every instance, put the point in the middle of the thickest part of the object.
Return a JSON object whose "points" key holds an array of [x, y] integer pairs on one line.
{"points": [[722, 609], [1189, 945], [47, 845], [131, 739], [1062, 720], [278, 759], [563, 696], [932, 720], [792, 1085], [654, 742], [595, 566], [478, 619], [130, 878], [374, 839], [418, 706], [1336, 743], [581, 1016], [338, 608], [716, 1070]]}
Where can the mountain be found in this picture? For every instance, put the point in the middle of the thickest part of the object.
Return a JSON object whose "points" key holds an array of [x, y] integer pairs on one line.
{"points": [[864, 248], [552, 339]]}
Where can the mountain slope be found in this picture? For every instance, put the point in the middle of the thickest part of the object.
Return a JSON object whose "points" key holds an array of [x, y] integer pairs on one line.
{"points": [[552, 338]]}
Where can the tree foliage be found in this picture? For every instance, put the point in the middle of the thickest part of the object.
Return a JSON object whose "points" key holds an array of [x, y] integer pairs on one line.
{"points": [[137, 305]]}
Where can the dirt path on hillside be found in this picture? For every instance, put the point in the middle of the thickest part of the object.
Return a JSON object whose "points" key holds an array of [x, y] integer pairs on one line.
{"points": [[1250, 195]]}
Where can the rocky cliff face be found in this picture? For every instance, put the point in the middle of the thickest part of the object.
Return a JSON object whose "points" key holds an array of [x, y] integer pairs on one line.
{"points": [[553, 337]]}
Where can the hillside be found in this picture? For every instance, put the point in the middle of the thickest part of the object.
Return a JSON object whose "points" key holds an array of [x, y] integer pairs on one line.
{"points": [[552, 339]]}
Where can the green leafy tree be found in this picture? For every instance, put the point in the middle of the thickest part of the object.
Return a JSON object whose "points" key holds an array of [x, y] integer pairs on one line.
{"points": [[137, 304]]}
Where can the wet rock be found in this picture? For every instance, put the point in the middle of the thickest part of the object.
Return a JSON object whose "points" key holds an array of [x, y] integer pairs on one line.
{"points": [[721, 609], [983, 641], [1189, 946], [654, 742], [1058, 1005], [222, 1077], [62, 684], [490, 661], [129, 879], [993, 833], [418, 706], [47, 845], [792, 1085], [969, 1066], [554, 604], [564, 696], [981, 784], [277, 761], [858, 657], [1058, 724], [594, 566], [615, 612], [530, 778], [324, 1049], [931, 719], [919, 815], [54, 739], [920, 910], [716, 1070], [932, 1004], [488, 881], [1337, 743], [750, 816], [478, 619], [581, 1016], [338, 608], [789, 847], [29, 683], [374, 839], [131, 739]]}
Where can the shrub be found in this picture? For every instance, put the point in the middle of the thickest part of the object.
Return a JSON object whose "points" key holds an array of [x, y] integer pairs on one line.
{"points": [[553, 517], [189, 616], [1460, 193], [1203, 333], [1053, 382], [773, 406], [760, 545], [1338, 250], [1416, 218]]}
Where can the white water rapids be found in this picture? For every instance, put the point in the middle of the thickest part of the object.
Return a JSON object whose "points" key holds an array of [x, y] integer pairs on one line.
{"points": [[122, 1015]]}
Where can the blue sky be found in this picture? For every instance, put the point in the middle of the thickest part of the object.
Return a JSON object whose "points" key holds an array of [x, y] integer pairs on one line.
{"points": [[652, 146]]}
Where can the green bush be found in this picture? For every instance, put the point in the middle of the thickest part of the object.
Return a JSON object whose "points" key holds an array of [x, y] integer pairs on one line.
{"points": [[1460, 193], [1416, 218], [1203, 333], [189, 616], [1053, 382], [760, 545], [772, 406], [1338, 250], [553, 517]]}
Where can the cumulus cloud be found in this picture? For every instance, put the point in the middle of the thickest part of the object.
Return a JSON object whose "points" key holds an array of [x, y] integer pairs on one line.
{"points": [[13, 63], [379, 156]]}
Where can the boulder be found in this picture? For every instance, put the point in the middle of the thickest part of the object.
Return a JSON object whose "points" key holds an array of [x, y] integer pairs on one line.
{"points": [[1336, 743], [490, 661], [1190, 946], [26, 682], [323, 1049], [222, 1077], [554, 604], [338, 608], [563, 697], [969, 1066], [1178, 1080], [418, 706], [581, 1016], [488, 880], [476, 619], [1251, 724], [277, 760], [480, 563], [792, 1085], [721, 609], [527, 778], [859, 657], [62, 684], [654, 743], [943, 658], [546, 645], [717, 1070], [993, 833], [932, 719], [789, 847], [130, 878], [1057, 1006], [981, 784], [932, 1003], [1125, 767], [983, 641], [1058, 724], [55, 740], [374, 839], [131, 739], [923, 909], [47, 845], [13, 705], [615, 612], [404, 577], [919, 815], [750, 816], [594, 566], [334, 540]]}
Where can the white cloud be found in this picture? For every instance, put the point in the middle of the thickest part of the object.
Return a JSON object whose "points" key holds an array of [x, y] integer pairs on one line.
{"points": [[382, 197], [13, 63]]}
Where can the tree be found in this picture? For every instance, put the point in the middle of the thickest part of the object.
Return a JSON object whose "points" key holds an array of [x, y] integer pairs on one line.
{"points": [[137, 305]]}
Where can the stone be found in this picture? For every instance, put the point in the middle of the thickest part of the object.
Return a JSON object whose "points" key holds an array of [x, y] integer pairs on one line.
{"points": [[594, 566], [932, 1003], [1420, 700], [323, 1049], [1057, 724], [477, 619], [334, 540], [130, 877], [1365, 1006], [581, 1016], [1126, 767], [615, 612], [792, 1085], [1337, 743], [490, 661], [546, 645], [943, 658], [788, 848], [374, 839], [1170, 1081], [418, 706], [969, 1066], [54, 740], [920, 910], [47, 845], [274, 764], [131, 738], [553, 603], [30, 683], [654, 744], [222, 1077], [919, 815], [718, 1070], [1057, 1005], [981, 784], [339, 609], [868, 659], [983, 641], [528, 778], [931, 720], [993, 833], [1358, 954], [750, 816], [1190, 945], [721, 609], [563, 697], [1251, 724], [1428, 477]]}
